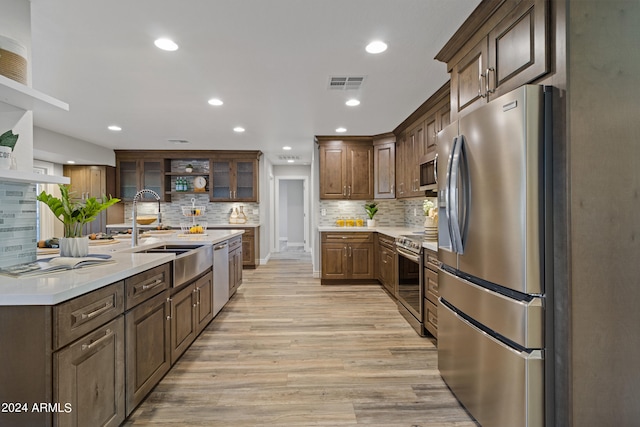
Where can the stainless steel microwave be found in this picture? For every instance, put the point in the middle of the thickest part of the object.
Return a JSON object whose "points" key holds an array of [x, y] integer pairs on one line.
{"points": [[428, 173]]}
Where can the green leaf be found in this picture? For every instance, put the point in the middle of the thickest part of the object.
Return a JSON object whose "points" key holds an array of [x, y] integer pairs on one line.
{"points": [[9, 139]]}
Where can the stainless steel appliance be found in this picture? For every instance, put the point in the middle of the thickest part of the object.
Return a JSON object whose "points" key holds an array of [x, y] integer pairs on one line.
{"points": [[428, 177], [495, 248], [220, 276], [410, 290]]}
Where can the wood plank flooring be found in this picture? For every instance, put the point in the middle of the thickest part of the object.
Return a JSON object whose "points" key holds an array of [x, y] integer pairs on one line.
{"points": [[286, 351]]}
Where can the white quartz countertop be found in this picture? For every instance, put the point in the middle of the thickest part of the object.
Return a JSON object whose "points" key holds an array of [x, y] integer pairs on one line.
{"points": [[54, 288], [389, 231], [126, 225]]}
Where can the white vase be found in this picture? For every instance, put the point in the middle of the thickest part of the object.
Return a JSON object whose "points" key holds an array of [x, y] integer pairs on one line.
{"points": [[5, 157], [74, 246], [371, 223]]}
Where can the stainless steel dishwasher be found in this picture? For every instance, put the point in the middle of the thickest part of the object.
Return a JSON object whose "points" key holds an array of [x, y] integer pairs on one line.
{"points": [[220, 276]]}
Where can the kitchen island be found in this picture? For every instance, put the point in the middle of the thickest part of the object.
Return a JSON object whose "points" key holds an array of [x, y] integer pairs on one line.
{"points": [[85, 346]]}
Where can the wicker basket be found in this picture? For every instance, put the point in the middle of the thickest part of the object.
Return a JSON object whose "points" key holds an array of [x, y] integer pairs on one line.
{"points": [[13, 61]]}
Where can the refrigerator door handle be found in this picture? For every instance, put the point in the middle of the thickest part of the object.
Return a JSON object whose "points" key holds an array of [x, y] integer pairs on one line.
{"points": [[454, 196], [447, 190]]}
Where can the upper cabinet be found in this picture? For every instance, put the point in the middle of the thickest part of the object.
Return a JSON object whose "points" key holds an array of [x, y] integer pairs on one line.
{"points": [[416, 141], [509, 48], [235, 177], [231, 176], [346, 168], [384, 166]]}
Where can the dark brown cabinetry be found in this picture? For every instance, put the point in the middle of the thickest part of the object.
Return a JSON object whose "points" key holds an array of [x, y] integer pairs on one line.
{"points": [[232, 176], [384, 166], [387, 264], [347, 256], [250, 256], [95, 181], [416, 141], [235, 263], [430, 291], [346, 168], [513, 52]]}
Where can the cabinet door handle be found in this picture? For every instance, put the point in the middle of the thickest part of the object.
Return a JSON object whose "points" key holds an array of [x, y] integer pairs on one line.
{"points": [[350, 251], [344, 190], [488, 72], [153, 284], [345, 251], [349, 187], [92, 344], [480, 93], [108, 305], [170, 308]]}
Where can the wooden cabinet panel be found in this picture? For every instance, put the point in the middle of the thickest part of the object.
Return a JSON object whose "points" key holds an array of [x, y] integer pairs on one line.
{"points": [[79, 316], [89, 376], [204, 301], [513, 53], [346, 169], [183, 325], [348, 256], [430, 291], [143, 286], [148, 356], [234, 180], [384, 170], [387, 263], [135, 174]]}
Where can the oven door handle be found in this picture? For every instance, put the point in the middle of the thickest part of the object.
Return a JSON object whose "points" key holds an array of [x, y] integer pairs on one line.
{"points": [[413, 257]]}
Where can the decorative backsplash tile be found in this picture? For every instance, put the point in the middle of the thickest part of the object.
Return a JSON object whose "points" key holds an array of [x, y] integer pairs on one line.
{"points": [[215, 212], [391, 213], [17, 223]]}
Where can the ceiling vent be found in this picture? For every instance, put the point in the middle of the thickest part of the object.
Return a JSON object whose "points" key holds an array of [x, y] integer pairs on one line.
{"points": [[285, 157], [179, 141], [345, 83]]}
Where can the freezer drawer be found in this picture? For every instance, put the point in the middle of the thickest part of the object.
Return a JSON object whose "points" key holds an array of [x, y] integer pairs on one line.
{"points": [[521, 321], [499, 386]]}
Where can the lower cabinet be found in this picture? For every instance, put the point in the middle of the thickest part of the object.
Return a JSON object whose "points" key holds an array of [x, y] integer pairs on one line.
{"points": [[89, 377], [191, 310], [236, 249], [148, 358], [386, 264], [250, 244], [430, 291], [347, 256]]}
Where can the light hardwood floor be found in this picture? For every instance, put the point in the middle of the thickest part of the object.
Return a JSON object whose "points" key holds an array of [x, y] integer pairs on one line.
{"points": [[286, 351]]}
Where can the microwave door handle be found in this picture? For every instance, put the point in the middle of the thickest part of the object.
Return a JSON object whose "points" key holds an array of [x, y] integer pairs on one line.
{"points": [[435, 169], [454, 223]]}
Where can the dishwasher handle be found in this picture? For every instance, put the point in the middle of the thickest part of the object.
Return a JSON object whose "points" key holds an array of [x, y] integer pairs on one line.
{"points": [[221, 246]]}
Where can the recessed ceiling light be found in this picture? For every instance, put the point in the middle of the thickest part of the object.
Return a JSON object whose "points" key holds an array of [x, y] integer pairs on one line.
{"points": [[238, 129], [71, 162], [114, 128], [341, 130], [215, 101], [376, 47], [290, 161], [352, 102], [286, 148], [166, 44]]}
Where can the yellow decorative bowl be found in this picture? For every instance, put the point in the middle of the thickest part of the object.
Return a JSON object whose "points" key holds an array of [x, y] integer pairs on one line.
{"points": [[146, 220]]}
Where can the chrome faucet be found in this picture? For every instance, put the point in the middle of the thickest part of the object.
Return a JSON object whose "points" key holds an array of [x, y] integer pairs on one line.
{"points": [[134, 232]]}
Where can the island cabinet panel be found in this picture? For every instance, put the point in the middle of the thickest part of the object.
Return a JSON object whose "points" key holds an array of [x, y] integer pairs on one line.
{"points": [[144, 285], [513, 51], [387, 264], [204, 301], [183, 325], [347, 256], [346, 168], [89, 378], [235, 263], [148, 344]]}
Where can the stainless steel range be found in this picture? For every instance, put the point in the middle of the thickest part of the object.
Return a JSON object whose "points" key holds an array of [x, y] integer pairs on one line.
{"points": [[410, 289]]}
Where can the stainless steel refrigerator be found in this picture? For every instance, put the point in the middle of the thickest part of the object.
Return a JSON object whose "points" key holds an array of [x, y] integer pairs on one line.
{"points": [[494, 243]]}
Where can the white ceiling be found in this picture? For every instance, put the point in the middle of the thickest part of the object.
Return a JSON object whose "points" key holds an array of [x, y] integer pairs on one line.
{"points": [[269, 61]]}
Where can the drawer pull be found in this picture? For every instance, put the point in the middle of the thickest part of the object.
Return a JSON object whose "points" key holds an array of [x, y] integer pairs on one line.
{"points": [[89, 346], [108, 305], [152, 284]]}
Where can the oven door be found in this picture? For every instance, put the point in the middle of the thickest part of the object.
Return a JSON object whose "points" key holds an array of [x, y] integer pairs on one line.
{"points": [[410, 287]]}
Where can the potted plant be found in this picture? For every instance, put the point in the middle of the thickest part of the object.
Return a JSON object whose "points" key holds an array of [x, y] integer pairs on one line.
{"points": [[430, 214], [371, 209], [8, 141], [74, 215], [188, 168]]}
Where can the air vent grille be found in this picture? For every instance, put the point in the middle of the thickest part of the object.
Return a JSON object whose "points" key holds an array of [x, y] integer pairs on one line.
{"points": [[285, 157], [345, 82], [179, 141]]}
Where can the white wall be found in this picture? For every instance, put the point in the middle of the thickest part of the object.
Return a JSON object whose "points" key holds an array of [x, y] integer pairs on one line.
{"points": [[58, 148]]}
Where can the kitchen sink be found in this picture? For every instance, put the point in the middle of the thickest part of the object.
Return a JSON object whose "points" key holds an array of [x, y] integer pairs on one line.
{"points": [[191, 260]]}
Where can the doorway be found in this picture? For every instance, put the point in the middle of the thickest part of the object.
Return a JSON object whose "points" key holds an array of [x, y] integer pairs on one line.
{"points": [[291, 222]]}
